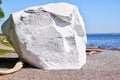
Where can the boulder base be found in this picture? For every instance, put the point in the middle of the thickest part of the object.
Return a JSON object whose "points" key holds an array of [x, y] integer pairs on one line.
{"points": [[50, 36]]}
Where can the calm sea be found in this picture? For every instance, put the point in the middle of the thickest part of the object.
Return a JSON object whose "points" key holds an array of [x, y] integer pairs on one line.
{"points": [[111, 41]]}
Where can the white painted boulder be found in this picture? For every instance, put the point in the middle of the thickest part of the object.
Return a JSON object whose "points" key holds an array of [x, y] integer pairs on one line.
{"points": [[50, 36]]}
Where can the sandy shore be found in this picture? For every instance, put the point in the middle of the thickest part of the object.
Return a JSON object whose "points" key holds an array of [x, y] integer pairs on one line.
{"points": [[102, 66]]}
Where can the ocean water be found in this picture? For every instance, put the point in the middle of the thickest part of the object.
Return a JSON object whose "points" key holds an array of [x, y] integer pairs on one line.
{"points": [[111, 41]]}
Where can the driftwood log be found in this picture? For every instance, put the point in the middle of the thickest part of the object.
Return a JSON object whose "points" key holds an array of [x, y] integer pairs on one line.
{"points": [[93, 51]]}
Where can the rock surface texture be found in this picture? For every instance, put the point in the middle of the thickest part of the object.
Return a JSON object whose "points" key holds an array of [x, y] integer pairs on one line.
{"points": [[49, 37]]}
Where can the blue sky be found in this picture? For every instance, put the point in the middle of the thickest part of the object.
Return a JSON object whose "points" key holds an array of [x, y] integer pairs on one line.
{"points": [[100, 16]]}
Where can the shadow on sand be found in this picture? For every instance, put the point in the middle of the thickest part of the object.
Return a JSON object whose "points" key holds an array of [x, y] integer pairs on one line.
{"points": [[10, 63]]}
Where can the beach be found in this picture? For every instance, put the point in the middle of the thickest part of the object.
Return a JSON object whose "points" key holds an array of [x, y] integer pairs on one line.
{"points": [[104, 65], [53, 32], [101, 65]]}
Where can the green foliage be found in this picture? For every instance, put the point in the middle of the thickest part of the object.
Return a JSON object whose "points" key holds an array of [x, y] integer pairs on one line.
{"points": [[1, 11], [7, 44], [2, 39], [2, 51], [0, 1]]}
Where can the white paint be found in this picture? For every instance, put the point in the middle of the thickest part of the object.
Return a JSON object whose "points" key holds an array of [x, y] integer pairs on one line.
{"points": [[50, 36]]}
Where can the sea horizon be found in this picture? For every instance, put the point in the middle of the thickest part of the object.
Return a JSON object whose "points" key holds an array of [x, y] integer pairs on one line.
{"points": [[106, 40], [102, 40]]}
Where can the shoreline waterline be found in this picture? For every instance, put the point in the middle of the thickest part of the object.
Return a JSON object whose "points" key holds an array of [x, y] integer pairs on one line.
{"points": [[104, 41]]}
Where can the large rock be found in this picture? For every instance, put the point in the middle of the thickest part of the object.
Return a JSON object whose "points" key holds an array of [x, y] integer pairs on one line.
{"points": [[50, 36]]}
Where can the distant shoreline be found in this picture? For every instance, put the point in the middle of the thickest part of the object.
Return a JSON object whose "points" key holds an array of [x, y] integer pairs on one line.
{"points": [[99, 47], [93, 47]]}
